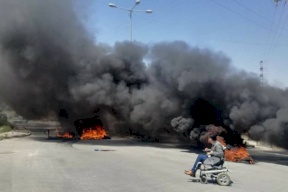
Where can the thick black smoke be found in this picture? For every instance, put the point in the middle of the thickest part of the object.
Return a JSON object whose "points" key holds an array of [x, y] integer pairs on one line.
{"points": [[50, 66]]}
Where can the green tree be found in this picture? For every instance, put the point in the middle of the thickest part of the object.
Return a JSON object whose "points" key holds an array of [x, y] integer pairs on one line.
{"points": [[3, 119]]}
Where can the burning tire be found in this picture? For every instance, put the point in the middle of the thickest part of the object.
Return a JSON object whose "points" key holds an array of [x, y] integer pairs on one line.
{"points": [[223, 179]]}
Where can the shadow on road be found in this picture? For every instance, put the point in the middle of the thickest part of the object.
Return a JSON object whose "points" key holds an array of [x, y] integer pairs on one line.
{"points": [[42, 136], [269, 156], [258, 155]]}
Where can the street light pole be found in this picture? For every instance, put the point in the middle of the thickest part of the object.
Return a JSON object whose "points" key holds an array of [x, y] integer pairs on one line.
{"points": [[130, 14], [132, 10]]}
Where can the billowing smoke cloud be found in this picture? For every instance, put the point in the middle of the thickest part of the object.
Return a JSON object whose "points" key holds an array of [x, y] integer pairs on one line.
{"points": [[50, 66], [181, 124], [273, 130]]}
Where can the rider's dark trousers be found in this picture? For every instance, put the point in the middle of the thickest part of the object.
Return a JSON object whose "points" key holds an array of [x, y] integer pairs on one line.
{"points": [[200, 158]]}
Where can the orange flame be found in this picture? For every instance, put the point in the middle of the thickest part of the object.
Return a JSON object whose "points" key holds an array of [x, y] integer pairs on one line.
{"points": [[236, 154], [65, 135], [96, 132]]}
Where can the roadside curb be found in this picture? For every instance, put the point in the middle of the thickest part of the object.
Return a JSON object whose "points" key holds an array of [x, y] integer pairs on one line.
{"points": [[14, 134]]}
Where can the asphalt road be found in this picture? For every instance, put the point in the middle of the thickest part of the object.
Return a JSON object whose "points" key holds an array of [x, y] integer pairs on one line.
{"points": [[38, 164]]}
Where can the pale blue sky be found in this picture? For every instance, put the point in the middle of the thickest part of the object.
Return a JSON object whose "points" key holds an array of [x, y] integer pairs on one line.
{"points": [[247, 31]]}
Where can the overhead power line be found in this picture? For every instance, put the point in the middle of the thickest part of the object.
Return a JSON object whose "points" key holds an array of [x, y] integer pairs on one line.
{"points": [[247, 18], [252, 11], [275, 40]]}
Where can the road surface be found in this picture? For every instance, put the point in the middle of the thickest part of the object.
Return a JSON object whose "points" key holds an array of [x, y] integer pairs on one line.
{"points": [[37, 164]]}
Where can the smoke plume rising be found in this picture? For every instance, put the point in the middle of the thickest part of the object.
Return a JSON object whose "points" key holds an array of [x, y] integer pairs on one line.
{"points": [[50, 66]]}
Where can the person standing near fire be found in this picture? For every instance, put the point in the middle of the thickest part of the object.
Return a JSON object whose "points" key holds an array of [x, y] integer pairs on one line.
{"points": [[215, 151]]}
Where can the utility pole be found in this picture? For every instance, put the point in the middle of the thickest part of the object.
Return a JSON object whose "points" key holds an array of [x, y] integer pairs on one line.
{"points": [[261, 72]]}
